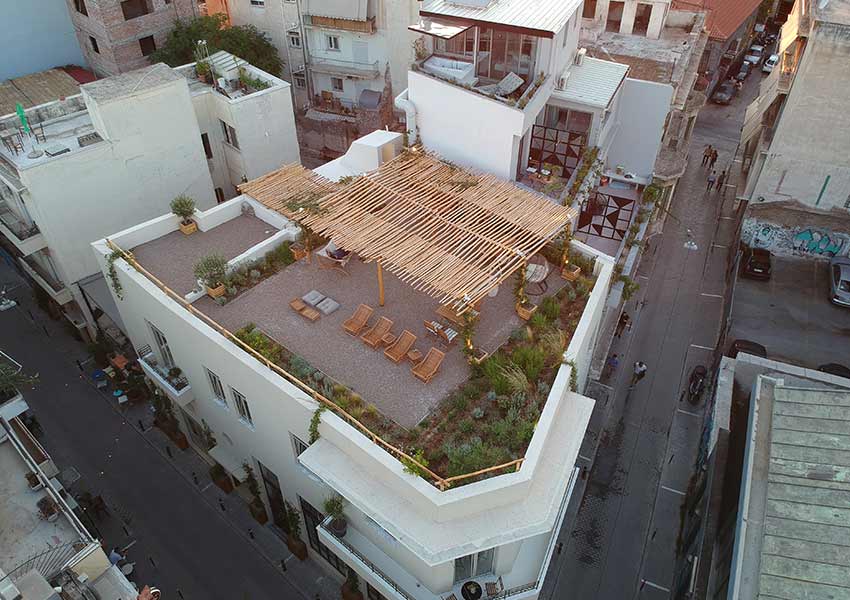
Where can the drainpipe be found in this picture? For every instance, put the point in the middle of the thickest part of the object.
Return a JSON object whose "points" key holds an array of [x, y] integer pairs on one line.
{"points": [[402, 102]]}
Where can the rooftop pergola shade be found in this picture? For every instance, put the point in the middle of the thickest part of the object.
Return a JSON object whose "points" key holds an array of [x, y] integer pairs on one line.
{"points": [[451, 233]]}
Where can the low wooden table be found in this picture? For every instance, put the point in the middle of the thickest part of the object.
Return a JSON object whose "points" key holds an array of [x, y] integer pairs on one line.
{"points": [[119, 361], [388, 339], [414, 356], [310, 313]]}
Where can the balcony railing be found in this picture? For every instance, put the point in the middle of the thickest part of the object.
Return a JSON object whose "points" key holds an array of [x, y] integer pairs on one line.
{"points": [[176, 387], [786, 78], [365, 561], [50, 279], [20, 228], [367, 26], [345, 67]]}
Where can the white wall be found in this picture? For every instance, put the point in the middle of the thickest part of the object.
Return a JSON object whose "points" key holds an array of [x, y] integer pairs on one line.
{"points": [[642, 109], [94, 191]]}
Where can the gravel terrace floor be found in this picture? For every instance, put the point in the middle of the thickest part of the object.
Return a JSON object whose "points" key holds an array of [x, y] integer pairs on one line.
{"points": [[172, 257], [391, 387]]}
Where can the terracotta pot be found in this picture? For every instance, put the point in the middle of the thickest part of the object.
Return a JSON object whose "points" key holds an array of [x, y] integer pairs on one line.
{"points": [[190, 228], [179, 439], [297, 547], [258, 511], [224, 483], [216, 292]]}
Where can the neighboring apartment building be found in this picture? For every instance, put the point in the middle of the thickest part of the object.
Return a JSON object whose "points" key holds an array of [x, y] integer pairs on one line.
{"points": [[764, 515], [119, 152], [660, 45], [117, 36], [730, 26], [37, 36], [44, 547], [794, 152], [407, 537]]}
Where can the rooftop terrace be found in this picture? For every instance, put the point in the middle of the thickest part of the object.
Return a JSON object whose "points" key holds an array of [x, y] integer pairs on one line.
{"points": [[36, 88], [230, 77]]}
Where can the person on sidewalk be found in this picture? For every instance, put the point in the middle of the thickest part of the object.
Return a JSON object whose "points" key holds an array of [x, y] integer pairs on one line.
{"points": [[625, 321], [611, 364], [720, 181], [706, 154], [639, 372], [710, 180], [713, 158]]}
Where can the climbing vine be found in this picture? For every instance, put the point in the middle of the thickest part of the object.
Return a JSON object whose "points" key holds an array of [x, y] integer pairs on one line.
{"points": [[573, 375], [314, 423], [113, 273]]}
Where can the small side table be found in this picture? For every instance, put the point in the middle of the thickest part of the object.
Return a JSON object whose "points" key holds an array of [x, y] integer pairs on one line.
{"points": [[414, 356], [388, 339]]}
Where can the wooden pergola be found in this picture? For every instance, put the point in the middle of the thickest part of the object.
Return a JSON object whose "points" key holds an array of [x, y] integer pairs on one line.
{"points": [[446, 231]]}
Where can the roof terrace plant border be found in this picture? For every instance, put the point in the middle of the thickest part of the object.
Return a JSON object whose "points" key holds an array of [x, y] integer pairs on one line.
{"points": [[442, 483]]}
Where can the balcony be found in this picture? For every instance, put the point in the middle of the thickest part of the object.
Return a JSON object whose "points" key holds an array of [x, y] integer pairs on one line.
{"points": [[51, 284], [367, 26], [786, 78], [175, 386], [25, 236], [347, 68]]}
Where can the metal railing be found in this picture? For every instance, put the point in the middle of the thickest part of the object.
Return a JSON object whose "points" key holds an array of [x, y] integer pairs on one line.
{"points": [[364, 67], [48, 564], [48, 278], [21, 229], [366, 562], [177, 384]]}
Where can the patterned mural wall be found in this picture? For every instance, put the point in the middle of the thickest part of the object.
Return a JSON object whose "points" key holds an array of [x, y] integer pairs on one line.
{"points": [[795, 241]]}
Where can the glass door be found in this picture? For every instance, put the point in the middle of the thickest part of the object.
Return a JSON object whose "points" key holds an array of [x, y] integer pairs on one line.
{"points": [[484, 562], [275, 496], [463, 568]]}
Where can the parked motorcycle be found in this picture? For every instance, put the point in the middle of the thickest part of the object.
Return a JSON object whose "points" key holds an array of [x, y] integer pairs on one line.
{"points": [[697, 383]]}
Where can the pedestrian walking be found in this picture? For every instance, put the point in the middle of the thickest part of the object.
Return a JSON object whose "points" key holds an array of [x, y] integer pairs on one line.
{"points": [[639, 372], [713, 158], [706, 154], [611, 364], [710, 180], [624, 322], [720, 181]]}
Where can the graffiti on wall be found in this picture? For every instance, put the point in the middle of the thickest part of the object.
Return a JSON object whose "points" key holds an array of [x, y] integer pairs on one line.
{"points": [[795, 241]]}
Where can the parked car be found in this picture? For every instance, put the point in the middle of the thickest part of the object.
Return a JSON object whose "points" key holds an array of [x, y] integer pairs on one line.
{"points": [[746, 347], [724, 93], [835, 369], [744, 72], [771, 61], [839, 280], [755, 263], [754, 54]]}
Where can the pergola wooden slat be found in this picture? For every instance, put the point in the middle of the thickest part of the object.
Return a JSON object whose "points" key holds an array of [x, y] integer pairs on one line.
{"points": [[449, 232]]}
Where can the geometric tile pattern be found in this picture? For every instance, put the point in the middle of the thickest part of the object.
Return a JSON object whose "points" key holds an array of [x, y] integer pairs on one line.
{"points": [[605, 216]]}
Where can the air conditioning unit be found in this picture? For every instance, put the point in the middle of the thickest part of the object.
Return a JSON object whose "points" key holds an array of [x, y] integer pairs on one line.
{"points": [[561, 83], [582, 52]]}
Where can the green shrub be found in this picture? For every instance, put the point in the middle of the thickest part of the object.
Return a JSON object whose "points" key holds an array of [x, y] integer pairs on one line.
{"points": [[281, 256], [550, 308], [415, 469], [183, 206], [466, 426], [513, 402], [519, 335], [521, 433], [211, 269], [515, 378], [543, 389], [530, 359], [256, 339], [300, 367], [473, 456], [459, 402], [538, 321], [493, 371], [491, 396]]}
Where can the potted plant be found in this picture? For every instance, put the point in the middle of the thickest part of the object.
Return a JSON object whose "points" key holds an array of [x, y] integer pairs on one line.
{"points": [[136, 388], [524, 308], [334, 509], [351, 587], [48, 508], [203, 71], [258, 509], [210, 271], [34, 482], [184, 207], [11, 380], [221, 478], [293, 534]]}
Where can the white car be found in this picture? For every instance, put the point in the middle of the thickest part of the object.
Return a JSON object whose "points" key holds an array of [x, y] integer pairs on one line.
{"points": [[771, 61], [754, 54]]}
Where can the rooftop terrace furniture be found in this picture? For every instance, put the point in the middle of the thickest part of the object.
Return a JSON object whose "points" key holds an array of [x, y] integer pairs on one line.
{"points": [[447, 335], [313, 297], [327, 260], [304, 309], [374, 336], [401, 347], [355, 324], [429, 366], [507, 86], [297, 304], [327, 306]]}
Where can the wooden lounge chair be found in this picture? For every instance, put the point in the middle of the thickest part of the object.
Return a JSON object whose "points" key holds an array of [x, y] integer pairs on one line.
{"points": [[447, 335], [401, 347], [374, 336], [355, 324], [429, 365]]}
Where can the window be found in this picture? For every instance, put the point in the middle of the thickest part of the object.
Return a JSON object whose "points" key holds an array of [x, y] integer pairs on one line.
{"points": [[162, 346], [312, 518], [258, 3], [294, 39], [300, 80], [242, 406], [80, 5], [95, 48], [219, 195], [229, 134], [589, 9], [147, 45], [298, 445], [474, 565], [216, 387], [135, 8], [205, 140], [336, 84], [332, 42]]}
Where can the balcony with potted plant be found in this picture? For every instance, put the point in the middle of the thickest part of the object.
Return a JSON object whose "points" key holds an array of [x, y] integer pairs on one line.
{"points": [[184, 207], [168, 379]]}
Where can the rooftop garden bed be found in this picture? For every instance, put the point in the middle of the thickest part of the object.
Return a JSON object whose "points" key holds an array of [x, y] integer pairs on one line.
{"points": [[246, 275], [486, 422]]}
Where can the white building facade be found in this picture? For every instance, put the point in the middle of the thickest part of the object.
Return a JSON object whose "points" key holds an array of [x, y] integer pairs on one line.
{"points": [[119, 152]]}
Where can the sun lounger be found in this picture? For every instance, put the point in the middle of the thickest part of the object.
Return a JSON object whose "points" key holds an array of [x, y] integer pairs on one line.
{"points": [[374, 336], [429, 366], [355, 324], [401, 347]]}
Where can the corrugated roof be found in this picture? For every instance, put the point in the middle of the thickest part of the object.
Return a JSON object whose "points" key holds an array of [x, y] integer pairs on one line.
{"points": [[724, 16], [36, 88], [594, 82], [543, 16], [805, 527]]}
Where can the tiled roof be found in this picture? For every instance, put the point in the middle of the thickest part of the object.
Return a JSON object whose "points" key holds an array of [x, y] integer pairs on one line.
{"points": [[724, 16]]}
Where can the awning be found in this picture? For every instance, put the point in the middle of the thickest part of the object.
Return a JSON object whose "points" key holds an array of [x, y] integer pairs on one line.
{"points": [[230, 464], [438, 28], [97, 291]]}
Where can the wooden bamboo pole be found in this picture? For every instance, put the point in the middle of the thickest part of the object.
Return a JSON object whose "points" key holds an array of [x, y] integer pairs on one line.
{"points": [[380, 283]]}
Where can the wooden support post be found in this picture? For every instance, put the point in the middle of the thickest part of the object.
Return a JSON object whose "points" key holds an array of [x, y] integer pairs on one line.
{"points": [[380, 284]]}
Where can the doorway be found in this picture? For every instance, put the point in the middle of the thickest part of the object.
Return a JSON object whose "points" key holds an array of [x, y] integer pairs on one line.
{"points": [[273, 492], [642, 15], [615, 16]]}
